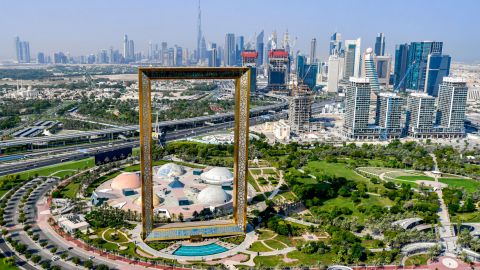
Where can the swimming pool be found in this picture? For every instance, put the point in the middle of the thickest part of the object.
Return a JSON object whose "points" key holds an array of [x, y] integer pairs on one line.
{"points": [[199, 250]]}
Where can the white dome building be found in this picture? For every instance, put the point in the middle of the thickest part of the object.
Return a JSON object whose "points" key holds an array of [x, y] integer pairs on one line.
{"points": [[170, 170], [218, 176], [156, 200], [126, 180], [213, 196]]}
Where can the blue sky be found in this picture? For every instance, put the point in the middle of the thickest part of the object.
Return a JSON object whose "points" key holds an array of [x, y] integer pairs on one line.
{"points": [[86, 26]]}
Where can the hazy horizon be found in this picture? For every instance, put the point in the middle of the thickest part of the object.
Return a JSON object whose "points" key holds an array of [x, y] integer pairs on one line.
{"points": [[84, 27]]}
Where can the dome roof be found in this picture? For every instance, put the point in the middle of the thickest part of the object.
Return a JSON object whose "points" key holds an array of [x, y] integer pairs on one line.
{"points": [[126, 180], [213, 195], [217, 176], [170, 170], [156, 200]]}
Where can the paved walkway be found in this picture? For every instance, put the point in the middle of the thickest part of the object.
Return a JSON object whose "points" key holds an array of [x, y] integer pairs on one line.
{"points": [[446, 231]]}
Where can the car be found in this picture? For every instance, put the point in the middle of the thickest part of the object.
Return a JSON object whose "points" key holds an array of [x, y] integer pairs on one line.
{"points": [[91, 257], [70, 248], [55, 258]]}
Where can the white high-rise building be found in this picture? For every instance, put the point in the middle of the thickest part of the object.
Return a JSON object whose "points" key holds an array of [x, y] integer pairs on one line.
{"points": [[452, 99], [357, 108], [352, 58], [389, 115], [369, 70], [420, 114], [335, 67]]}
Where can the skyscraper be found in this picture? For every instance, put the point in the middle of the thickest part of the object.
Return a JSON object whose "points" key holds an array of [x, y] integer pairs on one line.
{"points": [[420, 115], [401, 65], [41, 58], [178, 56], [306, 73], [389, 115], [335, 44], [259, 45], [229, 59], [369, 70], [335, 66], [438, 67], [352, 58], [383, 63], [452, 99], [357, 107], [198, 53], [131, 50], [313, 51], [380, 44], [300, 109], [22, 49], [126, 50], [278, 70], [239, 47], [417, 62], [164, 54], [249, 59]]}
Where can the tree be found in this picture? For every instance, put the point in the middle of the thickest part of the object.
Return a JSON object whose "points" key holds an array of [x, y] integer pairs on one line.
{"points": [[76, 260], [88, 264], [10, 261], [102, 267], [36, 259]]}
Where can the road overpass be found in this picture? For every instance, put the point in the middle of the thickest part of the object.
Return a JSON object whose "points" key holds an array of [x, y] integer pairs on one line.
{"points": [[171, 125]]}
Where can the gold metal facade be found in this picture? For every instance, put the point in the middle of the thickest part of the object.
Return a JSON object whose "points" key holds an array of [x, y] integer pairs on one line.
{"points": [[242, 104]]}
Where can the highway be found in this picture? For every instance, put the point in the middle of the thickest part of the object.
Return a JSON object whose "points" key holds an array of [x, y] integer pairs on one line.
{"points": [[84, 151], [133, 128]]}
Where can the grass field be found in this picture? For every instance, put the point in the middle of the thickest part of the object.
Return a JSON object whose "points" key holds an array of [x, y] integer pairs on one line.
{"points": [[70, 190], [465, 217], [275, 244], [3, 266], [46, 171], [347, 202], [419, 259], [337, 169], [414, 178], [62, 169], [470, 185], [265, 234], [259, 247]]}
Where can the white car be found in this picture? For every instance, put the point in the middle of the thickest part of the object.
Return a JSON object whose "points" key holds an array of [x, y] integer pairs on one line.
{"points": [[55, 258]]}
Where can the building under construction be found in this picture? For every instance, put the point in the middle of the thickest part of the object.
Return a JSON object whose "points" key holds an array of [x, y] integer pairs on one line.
{"points": [[278, 70], [249, 59], [300, 109]]}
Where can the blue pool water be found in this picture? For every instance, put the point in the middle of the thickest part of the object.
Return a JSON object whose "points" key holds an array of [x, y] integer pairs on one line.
{"points": [[199, 250]]}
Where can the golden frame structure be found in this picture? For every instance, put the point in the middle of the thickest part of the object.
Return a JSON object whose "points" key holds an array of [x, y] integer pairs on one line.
{"points": [[242, 111]]}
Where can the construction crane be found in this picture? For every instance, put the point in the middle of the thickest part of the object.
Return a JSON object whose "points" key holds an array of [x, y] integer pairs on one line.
{"points": [[404, 77]]}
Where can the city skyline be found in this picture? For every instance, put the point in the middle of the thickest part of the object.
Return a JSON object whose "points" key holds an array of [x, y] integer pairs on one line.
{"points": [[77, 34]]}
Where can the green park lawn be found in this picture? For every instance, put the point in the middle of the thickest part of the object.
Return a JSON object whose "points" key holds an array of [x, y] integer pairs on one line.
{"points": [[470, 185], [252, 182], [284, 239], [275, 244], [56, 170], [46, 171], [336, 169], [419, 259], [414, 178], [465, 217], [3, 266], [265, 234], [70, 191], [259, 247], [347, 202]]}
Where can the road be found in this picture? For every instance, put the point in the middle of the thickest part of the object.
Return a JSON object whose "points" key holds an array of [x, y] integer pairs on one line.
{"points": [[73, 153], [187, 121]]}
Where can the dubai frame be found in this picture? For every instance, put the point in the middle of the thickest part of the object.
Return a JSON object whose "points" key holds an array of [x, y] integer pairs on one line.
{"points": [[241, 126]]}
